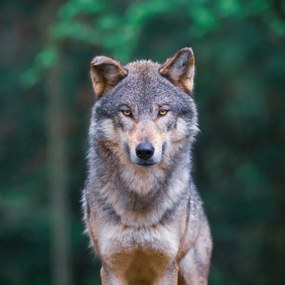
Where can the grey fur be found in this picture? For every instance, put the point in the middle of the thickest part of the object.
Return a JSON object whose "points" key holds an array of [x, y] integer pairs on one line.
{"points": [[119, 194]]}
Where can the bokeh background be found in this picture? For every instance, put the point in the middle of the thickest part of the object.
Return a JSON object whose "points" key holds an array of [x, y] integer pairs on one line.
{"points": [[46, 96]]}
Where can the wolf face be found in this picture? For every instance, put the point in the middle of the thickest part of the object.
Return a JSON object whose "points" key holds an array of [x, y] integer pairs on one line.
{"points": [[144, 111]]}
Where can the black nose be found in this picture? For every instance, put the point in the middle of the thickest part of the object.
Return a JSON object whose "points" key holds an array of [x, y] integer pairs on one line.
{"points": [[144, 150]]}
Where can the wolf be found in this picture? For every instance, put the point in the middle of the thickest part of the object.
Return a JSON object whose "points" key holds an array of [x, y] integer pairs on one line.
{"points": [[142, 212]]}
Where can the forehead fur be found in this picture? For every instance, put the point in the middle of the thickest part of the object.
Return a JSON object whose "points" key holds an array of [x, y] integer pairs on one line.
{"points": [[145, 87], [140, 67], [141, 86], [143, 72]]}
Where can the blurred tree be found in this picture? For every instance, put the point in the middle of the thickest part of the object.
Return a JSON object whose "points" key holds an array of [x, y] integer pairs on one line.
{"points": [[58, 178], [57, 157]]}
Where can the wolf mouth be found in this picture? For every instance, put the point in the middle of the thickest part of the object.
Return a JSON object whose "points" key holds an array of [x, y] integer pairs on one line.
{"points": [[145, 164]]}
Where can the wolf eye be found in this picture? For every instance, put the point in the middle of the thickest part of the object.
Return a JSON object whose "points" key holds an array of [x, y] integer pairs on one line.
{"points": [[127, 113], [162, 112]]}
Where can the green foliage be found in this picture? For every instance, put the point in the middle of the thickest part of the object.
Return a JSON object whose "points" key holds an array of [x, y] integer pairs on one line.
{"points": [[118, 32]]}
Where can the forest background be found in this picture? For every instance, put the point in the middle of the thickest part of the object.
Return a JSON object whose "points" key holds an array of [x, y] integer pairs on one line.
{"points": [[45, 100]]}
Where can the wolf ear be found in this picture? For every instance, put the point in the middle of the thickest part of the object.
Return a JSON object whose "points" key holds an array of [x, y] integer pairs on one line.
{"points": [[106, 72], [180, 69]]}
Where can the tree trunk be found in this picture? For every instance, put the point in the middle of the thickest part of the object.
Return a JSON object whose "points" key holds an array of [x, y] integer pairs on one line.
{"points": [[58, 176]]}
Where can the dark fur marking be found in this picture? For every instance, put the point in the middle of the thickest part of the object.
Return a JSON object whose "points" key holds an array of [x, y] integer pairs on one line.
{"points": [[108, 210], [170, 214]]}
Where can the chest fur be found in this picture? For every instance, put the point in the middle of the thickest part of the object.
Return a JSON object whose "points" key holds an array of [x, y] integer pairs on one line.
{"points": [[123, 245]]}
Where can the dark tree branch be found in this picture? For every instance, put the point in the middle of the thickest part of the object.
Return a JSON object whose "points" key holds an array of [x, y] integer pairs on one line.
{"points": [[279, 8]]}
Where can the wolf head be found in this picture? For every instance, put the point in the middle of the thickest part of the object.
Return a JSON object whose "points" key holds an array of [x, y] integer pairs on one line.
{"points": [[144, 113]]}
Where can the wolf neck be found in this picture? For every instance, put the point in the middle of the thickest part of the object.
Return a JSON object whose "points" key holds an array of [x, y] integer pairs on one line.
{"points": [[142, 197]]}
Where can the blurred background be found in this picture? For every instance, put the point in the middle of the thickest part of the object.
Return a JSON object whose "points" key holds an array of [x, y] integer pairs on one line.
{"points": [[46, 96]]}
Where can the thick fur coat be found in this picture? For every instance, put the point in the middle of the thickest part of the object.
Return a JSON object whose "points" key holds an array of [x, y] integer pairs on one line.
{"points": [[142, 211]]}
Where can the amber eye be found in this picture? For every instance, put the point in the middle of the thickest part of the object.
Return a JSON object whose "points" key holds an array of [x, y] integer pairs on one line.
{"points": [[127, 113], [162, 112]]}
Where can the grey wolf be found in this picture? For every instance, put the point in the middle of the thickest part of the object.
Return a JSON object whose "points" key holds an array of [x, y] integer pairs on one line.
{"points": [[142, 212]]}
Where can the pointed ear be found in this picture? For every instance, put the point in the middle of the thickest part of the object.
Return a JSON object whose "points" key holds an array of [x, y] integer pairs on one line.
{"points": [[106, 72], [180, 69]]}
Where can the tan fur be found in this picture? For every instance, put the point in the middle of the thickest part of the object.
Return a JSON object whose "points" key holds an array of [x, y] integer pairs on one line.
{"points": [[181, 77], [159, 243], [106, 73]]}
